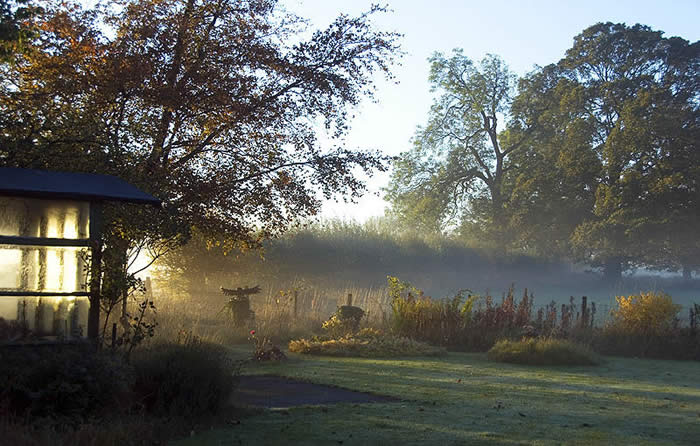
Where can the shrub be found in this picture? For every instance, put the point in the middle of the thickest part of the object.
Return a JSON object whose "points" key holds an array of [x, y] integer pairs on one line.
{"points": [[345, 320], [351, 315], [366, 343], [542, 351], [645, 325], [185, 379], [65, 383], [651, 313]]}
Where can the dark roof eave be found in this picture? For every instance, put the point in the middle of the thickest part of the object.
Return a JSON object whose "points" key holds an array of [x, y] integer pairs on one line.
{"points": [[77, 197], [44, 184]]}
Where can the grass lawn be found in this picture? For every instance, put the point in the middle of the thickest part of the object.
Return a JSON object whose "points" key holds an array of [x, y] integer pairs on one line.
{"points": [[465, 399]]}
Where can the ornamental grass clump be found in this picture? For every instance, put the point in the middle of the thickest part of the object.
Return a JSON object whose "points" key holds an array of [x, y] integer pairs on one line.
{"points": [[366, 343], [543, 351]]}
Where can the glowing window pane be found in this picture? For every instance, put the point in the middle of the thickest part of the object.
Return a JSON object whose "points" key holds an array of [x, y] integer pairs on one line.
{"points": [[33, 268], [43, 218], [70, 227], [54, 270], [12, 211], [70, 270], [10, 265], [48, 316]]}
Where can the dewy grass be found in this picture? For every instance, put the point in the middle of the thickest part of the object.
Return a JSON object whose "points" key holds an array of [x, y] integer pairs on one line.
{"points": [[466, 399], [543, 351]]}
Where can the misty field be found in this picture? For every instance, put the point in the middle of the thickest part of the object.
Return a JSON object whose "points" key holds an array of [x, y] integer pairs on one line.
{"points": [[465, 399]]}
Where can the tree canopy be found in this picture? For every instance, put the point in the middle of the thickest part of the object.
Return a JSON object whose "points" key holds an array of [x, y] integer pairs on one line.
{"points": [[213, 106], [597, 160], [455, 171], [618, 121], [15, 26]]}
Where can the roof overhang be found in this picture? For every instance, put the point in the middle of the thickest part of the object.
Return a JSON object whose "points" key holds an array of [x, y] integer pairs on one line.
{"points": [[33, 183]]}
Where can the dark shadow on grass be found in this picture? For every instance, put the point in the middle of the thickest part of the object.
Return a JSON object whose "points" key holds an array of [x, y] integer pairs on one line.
{"points": [[278, 392]]}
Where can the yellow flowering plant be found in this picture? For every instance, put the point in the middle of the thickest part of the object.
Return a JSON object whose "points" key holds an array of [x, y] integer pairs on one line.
{"points": [[645, 313]]}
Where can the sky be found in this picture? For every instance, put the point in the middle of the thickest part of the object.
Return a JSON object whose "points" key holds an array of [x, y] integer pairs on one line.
{"points": [[523, 33]]}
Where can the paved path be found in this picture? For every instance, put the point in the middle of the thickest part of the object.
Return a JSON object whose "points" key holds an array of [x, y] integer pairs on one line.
{"points": [[279, 392]]}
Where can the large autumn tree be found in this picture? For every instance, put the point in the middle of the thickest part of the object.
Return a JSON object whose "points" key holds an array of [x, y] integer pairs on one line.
{"points": [[211, 105]]}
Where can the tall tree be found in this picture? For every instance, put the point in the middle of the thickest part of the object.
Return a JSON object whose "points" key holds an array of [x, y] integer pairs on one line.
{"points": [[552, 185], [455, 171], [211, 105], [626, 99]]}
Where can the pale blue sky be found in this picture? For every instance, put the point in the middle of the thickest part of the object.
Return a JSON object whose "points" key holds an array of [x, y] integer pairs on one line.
{"points": [[523, 33]]}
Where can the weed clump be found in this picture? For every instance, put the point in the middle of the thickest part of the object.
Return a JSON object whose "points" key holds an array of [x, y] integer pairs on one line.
{"points": [[264, 349], [543, 351]]}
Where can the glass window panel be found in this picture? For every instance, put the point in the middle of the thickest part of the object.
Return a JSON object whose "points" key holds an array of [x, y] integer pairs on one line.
{"points": [[47, 316], [34, 268], [30, 217], [10, 261], [12, 211]]}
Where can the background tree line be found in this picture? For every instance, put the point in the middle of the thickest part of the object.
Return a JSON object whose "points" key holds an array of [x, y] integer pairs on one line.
{"points": [[592, 159]]}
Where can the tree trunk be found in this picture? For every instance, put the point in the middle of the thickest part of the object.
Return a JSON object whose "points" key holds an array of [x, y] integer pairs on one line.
{"points": [[612, 270], [687, 273]]}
